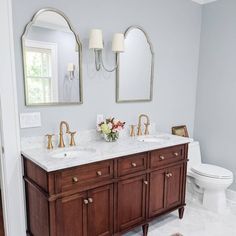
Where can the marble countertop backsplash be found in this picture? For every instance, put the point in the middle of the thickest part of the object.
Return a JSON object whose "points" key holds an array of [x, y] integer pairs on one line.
{"points": [[34, 148], [41, 141], [81, 137]]}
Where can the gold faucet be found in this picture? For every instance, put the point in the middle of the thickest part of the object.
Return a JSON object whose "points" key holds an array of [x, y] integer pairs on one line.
{"points": [[61, 140], [146, 132]]}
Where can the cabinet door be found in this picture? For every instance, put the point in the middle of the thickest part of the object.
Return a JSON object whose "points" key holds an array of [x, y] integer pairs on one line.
{"points": [[71, 216], [174, 178], [131, 202], [100, 211], [157, 192]]}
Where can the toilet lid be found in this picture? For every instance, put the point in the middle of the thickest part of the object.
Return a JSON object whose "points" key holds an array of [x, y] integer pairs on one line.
{"points": [[212, 171]]}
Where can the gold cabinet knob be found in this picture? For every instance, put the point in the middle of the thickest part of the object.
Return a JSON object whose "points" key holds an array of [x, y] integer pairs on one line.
{"points": [[162, 158], [176, 154], [133, 164], [99, 173], [90, 200], [86, 201], [168, 175], [145, 182], [75, 179]]}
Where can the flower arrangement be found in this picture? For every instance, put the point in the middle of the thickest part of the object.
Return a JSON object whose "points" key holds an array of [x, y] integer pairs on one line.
{"points": [[110, 129]]}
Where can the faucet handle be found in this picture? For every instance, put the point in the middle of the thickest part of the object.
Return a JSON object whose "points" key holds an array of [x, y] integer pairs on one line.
{"points": [[132, 131], [139, 133], [146, 132], [72, 138], [49, 136]]}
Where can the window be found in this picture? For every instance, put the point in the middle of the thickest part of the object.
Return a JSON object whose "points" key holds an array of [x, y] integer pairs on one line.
{"points": [[40, 72]]}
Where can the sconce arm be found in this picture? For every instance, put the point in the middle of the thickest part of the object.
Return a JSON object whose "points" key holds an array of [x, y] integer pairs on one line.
{"points": [[99, 62]]}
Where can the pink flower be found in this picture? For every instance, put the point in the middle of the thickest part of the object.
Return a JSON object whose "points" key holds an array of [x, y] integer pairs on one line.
{"points": [[110, 125], [120, 128]]}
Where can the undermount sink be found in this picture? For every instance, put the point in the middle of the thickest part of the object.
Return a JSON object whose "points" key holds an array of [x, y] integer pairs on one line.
{"points": [[153, 138], [78, 152]]}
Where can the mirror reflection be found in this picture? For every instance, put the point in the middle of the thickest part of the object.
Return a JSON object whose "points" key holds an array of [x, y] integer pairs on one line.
{"points": [[52, 60], [135, 72]]}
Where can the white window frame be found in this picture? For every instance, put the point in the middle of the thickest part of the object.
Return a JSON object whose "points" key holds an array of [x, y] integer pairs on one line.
{"points": [[53, 48]]}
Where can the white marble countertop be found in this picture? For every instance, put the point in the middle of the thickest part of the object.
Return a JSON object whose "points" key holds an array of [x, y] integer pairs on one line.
{"points": [[100, 151]]}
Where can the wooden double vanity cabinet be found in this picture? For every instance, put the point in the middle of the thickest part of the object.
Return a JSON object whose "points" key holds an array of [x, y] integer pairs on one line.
{"points": [[106, 198]]}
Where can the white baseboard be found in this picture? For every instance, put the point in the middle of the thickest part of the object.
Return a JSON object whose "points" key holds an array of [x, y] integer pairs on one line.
{"points": [[231, 195]]}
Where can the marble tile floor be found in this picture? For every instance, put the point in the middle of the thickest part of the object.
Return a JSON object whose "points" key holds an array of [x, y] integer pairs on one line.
{"points": [[196, 222]]}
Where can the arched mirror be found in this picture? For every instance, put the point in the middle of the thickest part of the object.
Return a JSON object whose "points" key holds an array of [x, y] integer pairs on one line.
{"points": [[52, 55], [134, 75]]}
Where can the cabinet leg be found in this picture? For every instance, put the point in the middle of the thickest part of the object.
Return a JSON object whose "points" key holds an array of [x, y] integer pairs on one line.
{"points": [[181, 212], [145, 229]]}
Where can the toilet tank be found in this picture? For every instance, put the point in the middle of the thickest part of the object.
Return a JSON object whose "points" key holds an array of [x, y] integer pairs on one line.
{"points": [[194, 154]]}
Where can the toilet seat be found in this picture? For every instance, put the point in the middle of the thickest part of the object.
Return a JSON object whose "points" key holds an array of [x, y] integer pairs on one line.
{"points": [[212, 171]]}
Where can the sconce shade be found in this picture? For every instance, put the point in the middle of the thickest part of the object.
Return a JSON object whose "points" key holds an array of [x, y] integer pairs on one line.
{"points": [[95, 39], [118, 44], [70, 67]]}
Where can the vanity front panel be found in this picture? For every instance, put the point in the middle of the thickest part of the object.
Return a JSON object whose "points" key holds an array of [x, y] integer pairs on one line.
{"points": [[73, 178], [166, 156], [108, 197], [131, 164], [131, 202]]}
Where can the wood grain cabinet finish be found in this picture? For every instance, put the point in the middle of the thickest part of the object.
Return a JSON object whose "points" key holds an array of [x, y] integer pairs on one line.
{"points": [[75, 178], [100, 211], [169, 191], [106, 198], [71, 215], [88, 213], [132, 164], [166, 156], [174, 186], [131, 202], [157, 201]]}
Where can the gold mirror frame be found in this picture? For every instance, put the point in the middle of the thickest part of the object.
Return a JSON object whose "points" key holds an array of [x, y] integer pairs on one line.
{"points": [[118, 100], [79, 55]]}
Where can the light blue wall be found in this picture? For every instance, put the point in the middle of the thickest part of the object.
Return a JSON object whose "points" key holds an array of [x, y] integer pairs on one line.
{"points": [[215, 121], [174, 29]]}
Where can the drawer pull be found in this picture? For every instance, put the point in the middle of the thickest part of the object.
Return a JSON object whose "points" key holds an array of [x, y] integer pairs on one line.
{"points": [[90, 200], [169, 175], [145, 182], [176, 154], [99, 173], [75, 179], [133, 164], [162, 158], [86, 201]]}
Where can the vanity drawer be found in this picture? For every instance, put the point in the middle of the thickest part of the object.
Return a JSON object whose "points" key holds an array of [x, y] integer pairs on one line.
{"points": [[166, 156], [131, 164], [72, 178]]}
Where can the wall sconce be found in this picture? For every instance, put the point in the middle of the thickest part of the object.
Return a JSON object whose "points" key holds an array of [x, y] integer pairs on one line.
{"points": [[71, 71], [96, 43]]}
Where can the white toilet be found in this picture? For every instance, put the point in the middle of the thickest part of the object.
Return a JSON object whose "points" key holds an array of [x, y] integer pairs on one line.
{"points": [[211, 180]]}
